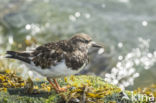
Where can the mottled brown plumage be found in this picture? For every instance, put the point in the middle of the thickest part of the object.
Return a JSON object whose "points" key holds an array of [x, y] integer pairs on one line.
{"points": [[58, 59], [73, 51], [53, 53]]}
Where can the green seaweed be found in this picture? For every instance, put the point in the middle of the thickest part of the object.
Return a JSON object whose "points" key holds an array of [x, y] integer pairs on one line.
{"points": [[83, 89]]}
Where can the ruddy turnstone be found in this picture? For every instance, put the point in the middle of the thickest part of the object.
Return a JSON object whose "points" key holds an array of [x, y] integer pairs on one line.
{"points": [[58, 59]]}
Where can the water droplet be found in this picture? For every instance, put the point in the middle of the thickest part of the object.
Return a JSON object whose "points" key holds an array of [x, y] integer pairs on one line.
{"points": [[137, 61], [28, 37], [87, 15], [118, 64], [11, 39], [72, 18], [120, 57], [149, 55], [114, 70], [154, 53], [120, 44], [28, 27], [136, 75], [124, 1], [129, 55], [30, 73], [107, 75], [115, 82], [103, 5], [77, 14], [144, 23]]}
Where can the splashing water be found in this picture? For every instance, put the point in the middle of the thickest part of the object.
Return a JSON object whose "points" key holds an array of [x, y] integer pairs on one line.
{"points": [[125, 71], [34, 28]]}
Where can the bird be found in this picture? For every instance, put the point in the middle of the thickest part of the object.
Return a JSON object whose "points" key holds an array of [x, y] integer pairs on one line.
{"points": [[58, 58]]}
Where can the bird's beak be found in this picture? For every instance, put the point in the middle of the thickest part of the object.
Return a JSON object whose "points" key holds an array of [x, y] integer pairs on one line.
{"points": [[94, 44]]}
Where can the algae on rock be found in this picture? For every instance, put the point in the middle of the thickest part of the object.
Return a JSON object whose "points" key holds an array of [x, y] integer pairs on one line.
{"points": [[83, 89]]}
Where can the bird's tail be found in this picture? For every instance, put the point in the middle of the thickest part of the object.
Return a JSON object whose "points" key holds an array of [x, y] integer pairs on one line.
{"points": [[23, 56]]}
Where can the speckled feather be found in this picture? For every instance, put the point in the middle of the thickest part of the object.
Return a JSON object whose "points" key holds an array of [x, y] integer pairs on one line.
{"points": [[73, 52], [53, 53]]}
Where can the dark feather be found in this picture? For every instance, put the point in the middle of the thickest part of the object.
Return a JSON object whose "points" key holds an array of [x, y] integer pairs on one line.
{"points": [[73, 51], [20, 56]]}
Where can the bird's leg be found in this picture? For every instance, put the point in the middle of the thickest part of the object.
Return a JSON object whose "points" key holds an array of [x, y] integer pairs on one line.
{"points": [[58, 86], [53, 85], [56, 83]]}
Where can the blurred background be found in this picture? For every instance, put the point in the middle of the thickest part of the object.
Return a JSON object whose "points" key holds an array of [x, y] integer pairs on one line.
{"points": [[126, 28]]}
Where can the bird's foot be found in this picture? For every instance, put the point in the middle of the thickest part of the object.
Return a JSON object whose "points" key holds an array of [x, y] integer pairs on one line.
{"points": [[57, 87], [62, 89]]}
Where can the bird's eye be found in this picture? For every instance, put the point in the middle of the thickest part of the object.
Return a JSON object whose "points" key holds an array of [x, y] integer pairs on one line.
{"points": [[84, 41], [89, 41]]}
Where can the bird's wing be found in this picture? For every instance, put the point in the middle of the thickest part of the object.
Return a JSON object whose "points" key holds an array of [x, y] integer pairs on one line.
{"points": [[47, 55], [22, 56], [44, 56]]}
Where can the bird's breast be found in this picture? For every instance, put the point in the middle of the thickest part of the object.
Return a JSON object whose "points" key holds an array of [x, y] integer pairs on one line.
{"points": [[60, 70]]}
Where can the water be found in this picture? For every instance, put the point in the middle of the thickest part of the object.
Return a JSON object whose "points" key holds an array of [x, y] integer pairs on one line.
{"points": [[115, 23]]}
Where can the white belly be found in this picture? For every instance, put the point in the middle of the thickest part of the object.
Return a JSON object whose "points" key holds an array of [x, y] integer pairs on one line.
{"points": [[60, 70]]}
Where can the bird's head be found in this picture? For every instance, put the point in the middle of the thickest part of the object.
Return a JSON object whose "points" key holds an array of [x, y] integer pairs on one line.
{"points": [[84, 42]]}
